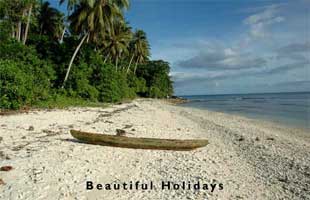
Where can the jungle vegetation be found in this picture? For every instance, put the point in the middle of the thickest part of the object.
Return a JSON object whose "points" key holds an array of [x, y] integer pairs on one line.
{"points": [[89, 55]]}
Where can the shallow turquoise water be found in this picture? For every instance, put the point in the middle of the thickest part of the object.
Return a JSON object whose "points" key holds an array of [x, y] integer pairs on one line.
{"points": [[292, 109]]}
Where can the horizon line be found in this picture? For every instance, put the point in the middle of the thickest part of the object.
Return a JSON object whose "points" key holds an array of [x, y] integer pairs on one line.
{"points": [[242, 93]]}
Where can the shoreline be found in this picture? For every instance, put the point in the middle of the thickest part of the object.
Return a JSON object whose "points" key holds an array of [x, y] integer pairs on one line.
{"points": [[258, 119], [302, 131], [252, 159]]}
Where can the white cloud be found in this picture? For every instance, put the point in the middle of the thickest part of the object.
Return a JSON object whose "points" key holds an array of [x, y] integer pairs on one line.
{"points": [[271, 46], [266, 15], [229, 52], [214, 59], [260, 22]]}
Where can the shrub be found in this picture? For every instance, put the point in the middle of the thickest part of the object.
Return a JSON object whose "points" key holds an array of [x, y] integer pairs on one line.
{"points": [[138, 85], [13, 50], [20, 87], [15, 87], [111, 84], [79, 85], [156, 74], [4, 31], [25, 79]]}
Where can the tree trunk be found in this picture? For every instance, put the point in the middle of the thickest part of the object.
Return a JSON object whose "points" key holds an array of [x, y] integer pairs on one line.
{"points": [[28, 24], [130, 63], [41, 29], [135, 68], [62, 36], [19, 31], [116, 62], [13, 32], [87, 40], [106, 58], [72, 59]]}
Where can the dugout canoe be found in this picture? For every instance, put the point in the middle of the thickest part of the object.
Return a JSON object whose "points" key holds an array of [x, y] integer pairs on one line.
{"points": [[138, 143]]}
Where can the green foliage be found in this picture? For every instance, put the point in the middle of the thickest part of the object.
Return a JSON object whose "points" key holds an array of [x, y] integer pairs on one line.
{"points": [[14, 85], [79, 84], [156, 74], [138, 85], [33, 63], [19, 86], [116, 43], [161, 86], [4, 31], [111, 84], [61, 100], [25, 79], [140, 47], [51, 21], [58, 54], [16, 51], [29, 62]]}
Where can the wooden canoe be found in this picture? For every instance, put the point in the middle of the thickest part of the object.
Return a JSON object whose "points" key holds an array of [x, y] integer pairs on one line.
{"points": [[138, 143]]}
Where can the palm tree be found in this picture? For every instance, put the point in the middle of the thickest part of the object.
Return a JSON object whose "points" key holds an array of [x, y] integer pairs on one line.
{"points": [[59, 27], [140, 49], [13, 12], [29, 6], [132, 51], [18, 12], [91, 18], [70, 5], [51, 21], [117, 40]]}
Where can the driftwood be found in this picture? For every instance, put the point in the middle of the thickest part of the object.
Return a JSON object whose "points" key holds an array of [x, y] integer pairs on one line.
{"points": [[138, 143]]}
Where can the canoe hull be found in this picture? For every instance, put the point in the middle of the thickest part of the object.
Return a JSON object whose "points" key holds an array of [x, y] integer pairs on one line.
{"points": [[138, 143]]}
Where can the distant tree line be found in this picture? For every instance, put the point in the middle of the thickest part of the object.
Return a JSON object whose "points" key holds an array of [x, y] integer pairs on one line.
{"points": [[92, 54]]}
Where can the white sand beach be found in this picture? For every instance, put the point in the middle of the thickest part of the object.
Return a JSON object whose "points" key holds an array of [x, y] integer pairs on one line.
{"points": [[250, 158]]}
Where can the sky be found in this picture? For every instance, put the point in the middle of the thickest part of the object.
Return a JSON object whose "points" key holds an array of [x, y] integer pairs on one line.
{"points": [[228, 46]]}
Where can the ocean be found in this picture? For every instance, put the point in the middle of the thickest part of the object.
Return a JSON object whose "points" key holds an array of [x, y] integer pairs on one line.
{"points": [[291, 109]]}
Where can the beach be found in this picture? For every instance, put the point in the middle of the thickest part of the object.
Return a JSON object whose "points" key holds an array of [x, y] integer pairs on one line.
{"points": [[245, 158]]}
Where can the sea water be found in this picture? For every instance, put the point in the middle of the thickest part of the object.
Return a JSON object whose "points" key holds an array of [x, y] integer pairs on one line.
{"points": [[292, 109]]}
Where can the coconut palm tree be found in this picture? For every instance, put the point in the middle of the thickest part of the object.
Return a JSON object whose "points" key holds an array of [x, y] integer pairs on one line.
{"points": [[14, 12], [29, 6], [140, 49], [117, 40], [59, 27], [70, 4], [132, 49], [91, 18], [51, 21]]}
